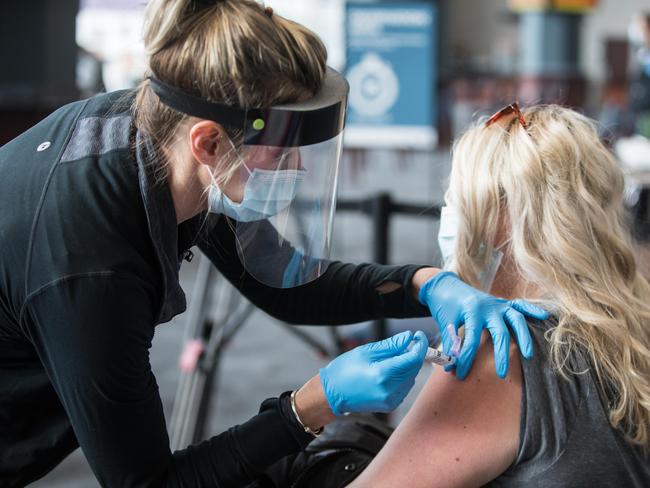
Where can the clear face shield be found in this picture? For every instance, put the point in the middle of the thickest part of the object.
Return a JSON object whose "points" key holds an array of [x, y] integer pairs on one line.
{"points": [[282, 197]]}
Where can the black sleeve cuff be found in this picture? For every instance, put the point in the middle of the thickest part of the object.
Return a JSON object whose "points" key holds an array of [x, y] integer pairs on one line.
{"points": [[284, 403], [270, 435]]}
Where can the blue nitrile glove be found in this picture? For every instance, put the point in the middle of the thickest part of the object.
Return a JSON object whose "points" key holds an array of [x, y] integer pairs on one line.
{"points": [[451, 301], [374, 377]]}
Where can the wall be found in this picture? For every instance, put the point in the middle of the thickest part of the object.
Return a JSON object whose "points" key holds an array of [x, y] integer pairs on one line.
{"points": [[37, 52], [476, 28], [610, 19]]}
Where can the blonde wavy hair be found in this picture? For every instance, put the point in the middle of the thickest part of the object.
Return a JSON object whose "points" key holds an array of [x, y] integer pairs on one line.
{"points": [[558, 192], [234, 52]]}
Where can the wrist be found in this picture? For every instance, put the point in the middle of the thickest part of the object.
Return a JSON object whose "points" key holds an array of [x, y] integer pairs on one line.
{"points": [[421, 277], [311, 405]]}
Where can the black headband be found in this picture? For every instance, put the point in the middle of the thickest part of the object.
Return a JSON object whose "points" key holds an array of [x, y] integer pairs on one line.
{"points": [[198, 107], [288, 126]]}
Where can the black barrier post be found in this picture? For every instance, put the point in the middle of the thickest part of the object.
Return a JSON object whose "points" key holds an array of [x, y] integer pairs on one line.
{"points": [[380, 210]]}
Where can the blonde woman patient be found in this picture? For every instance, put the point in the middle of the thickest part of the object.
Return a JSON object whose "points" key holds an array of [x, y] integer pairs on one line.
{"points": [[540, 188]]}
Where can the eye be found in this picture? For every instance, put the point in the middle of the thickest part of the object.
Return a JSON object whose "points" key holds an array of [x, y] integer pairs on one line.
{"points": [[273, 158]]}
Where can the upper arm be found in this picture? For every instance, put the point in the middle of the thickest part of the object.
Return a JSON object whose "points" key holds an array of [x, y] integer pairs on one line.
{"points": [[93, 336], [458, 433]]}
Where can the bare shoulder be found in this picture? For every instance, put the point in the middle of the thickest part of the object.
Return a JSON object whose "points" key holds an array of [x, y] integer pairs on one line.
{"points": [[458, 433]]}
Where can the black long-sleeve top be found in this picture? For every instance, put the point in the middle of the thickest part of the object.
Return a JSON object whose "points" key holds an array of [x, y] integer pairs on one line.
{"points": [[89, 259]]}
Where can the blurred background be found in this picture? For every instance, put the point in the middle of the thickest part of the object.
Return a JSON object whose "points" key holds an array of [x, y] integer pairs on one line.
{"points": [[420, 72]]}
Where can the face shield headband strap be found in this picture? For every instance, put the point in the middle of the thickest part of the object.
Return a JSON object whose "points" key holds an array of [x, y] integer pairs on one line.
{"points": [[188, 104], [265, 127]]}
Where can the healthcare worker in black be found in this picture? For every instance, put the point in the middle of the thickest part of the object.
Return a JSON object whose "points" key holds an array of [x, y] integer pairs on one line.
{"points": [[232, 143]]}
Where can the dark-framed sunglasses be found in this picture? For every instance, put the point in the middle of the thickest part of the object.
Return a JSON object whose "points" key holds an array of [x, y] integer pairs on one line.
{"points": [[512, 109]]}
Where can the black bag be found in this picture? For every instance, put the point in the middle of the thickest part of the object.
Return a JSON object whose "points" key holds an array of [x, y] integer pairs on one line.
{"points": [[332, 460]]}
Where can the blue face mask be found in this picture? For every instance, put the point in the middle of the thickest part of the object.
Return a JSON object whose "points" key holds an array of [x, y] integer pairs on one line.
{"points": [[447, 236], [267, 193]]}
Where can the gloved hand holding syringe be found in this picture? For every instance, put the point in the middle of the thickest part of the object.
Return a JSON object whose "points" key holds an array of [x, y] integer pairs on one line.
{"points": [[377, 376]]}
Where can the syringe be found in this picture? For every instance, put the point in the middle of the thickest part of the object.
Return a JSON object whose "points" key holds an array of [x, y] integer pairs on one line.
{"points": [[434, 356], [437, 357]]}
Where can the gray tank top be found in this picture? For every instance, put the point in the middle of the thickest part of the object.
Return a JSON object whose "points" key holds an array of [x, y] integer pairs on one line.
{"points": [[565, 436]]}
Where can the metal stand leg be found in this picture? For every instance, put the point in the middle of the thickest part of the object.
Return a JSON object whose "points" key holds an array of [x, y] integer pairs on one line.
{"points": [[195, 385], [216, 313], [321, 349]]}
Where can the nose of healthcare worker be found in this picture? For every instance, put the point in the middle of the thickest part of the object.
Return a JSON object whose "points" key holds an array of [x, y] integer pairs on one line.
{"points": [[231, 144]]}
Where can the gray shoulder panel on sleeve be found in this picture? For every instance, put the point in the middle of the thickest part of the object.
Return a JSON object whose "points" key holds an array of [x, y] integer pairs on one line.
{"points": [[94, 136]]}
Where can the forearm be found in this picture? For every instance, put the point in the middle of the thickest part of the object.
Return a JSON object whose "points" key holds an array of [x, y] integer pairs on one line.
{"points": [[348, 293], [242, 453], [345, 293], [312, 406]]}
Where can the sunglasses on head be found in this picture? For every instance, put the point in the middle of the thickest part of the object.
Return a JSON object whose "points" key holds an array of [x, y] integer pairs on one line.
{"points": [[512, 109]]}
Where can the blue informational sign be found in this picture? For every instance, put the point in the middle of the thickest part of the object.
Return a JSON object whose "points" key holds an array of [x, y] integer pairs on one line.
{"points": [[391, 67]]}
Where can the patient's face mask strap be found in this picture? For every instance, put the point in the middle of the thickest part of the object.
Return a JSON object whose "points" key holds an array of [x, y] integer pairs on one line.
{"points": [[447, 239]]}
